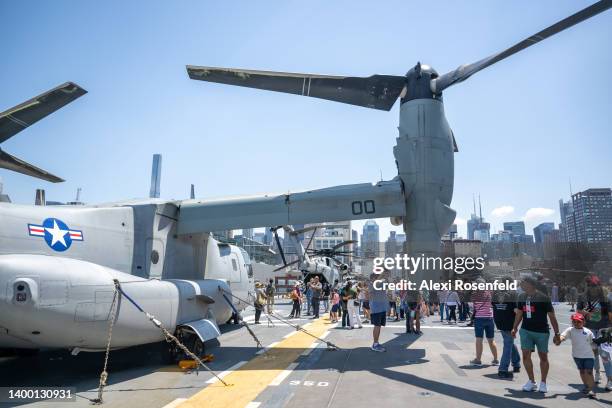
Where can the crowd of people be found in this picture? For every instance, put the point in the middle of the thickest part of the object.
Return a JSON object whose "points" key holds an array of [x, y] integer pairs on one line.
{"points": [[527, 314]]}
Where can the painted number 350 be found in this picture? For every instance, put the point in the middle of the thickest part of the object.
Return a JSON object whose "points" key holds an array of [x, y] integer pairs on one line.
{"points": [[360, 207], [310, 383]]}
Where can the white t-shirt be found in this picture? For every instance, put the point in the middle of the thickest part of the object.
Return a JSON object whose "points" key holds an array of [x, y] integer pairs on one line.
{"points": [[581, 341]]}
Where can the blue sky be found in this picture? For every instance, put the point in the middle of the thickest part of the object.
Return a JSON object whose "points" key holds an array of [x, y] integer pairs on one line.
{"points": [[524, 126]]}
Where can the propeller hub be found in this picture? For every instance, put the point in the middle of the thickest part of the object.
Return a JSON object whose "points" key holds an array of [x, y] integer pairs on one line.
{"points": [[418, 83]]}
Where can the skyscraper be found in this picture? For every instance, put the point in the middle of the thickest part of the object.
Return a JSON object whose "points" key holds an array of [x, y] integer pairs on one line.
{"points": [[565, 209], [477, 228], [591, 219], [515, 227], [155, 176], [370, 239], [540, 230]]}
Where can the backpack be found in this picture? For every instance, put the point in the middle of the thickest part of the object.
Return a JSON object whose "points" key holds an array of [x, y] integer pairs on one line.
{"points": [[270, 289]]}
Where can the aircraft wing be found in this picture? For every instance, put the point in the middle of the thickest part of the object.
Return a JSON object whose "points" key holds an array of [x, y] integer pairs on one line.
{"points": [[340, 203], [31, 111]]}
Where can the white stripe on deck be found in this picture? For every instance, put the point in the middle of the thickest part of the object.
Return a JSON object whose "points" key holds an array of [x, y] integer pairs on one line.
{"points": [[310, 348], [252, 404], [226, 372], [175, 403], [283, 375], [268, 347]]}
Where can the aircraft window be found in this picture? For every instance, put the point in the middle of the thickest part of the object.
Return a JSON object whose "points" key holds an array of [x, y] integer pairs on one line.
{"points": [[250, 270], [154, 257], [234, 265]]}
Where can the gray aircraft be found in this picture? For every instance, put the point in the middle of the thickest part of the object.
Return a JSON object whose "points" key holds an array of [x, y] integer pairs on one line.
{"points": [[426, 144], [59, 264]]}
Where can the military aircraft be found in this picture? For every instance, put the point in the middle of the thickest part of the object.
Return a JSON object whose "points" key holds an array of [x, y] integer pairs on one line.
{"points": [[58, 265], [426, 144], [323, 262]]}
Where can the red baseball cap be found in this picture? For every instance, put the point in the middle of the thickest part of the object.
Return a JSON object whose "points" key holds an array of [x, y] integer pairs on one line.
{"points": [[578, 316]]}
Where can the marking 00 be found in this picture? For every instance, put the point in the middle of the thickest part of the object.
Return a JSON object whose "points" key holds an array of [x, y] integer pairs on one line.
{"points": [[359, 207]]}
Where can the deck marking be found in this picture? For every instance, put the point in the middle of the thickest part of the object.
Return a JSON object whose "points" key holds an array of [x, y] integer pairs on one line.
{"points": [[283, 375], [226, 372], [268, 347], [313, 346], [252, 404], [175, 403], [453, 365], [255, 376]]}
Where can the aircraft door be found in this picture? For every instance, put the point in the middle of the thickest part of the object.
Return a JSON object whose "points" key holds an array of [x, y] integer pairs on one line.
{"points": [[155, 250], [235, 271]]}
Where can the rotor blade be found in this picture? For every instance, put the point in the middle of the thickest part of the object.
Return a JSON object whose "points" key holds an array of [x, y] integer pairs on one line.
{"points": [[465, 71], [311, 239], [13, 163], [303, 230], [286, 266], [280, 248], [340, 245], [31, 111], [376, 91]]}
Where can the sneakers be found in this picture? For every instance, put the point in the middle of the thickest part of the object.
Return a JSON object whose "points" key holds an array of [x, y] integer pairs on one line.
{"points": [[609, 385], [476, 362], [592, 395], [597, 377], [543, 387], [377, 347], [495, 362], [530, 386], [516, 369]]}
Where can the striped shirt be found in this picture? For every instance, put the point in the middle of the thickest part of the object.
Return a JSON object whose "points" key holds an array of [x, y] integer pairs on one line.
{"points": [[482, 303]]}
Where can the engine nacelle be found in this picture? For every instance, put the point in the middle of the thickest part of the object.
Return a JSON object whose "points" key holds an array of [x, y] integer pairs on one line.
{"points": [[66, 303]]}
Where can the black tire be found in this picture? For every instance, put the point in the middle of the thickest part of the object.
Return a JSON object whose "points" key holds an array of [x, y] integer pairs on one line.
{"points": [[169, 354]]}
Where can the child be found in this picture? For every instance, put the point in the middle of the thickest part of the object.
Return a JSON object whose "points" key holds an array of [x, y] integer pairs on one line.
{"points": [[604, 341], [335, 298], [582, 351]]}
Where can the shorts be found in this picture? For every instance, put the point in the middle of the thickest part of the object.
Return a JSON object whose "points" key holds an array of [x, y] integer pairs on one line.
{"points": [[392, 305], [379, 319], [366, 305], [530, 340], [412, 305], [335, 308], [584, 363], [482, 326]]}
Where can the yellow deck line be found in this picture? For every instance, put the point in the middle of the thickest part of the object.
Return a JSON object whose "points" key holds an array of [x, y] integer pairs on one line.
{"points": [[253, 377]]}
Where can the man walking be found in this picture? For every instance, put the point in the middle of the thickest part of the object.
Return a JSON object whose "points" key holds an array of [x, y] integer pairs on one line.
{"points": [[534, 310], [270, 292], [316, 288], [379, 305], [504, 313]]}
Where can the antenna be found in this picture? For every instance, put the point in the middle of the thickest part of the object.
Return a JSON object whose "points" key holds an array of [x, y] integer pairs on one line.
{"points": [[192, 196], [474, 202], [78, 195], [480, 207], [570, 186]]}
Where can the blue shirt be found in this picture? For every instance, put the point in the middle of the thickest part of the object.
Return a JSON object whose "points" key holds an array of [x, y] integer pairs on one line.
{"points": [[378, 299]]}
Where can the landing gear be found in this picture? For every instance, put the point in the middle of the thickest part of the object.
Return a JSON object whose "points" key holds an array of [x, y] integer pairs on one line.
{"points": [[172, 354]]}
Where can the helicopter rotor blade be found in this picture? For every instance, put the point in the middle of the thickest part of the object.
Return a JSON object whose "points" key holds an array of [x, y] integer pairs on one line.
{"points": [[286, 266], [463, 72], [311, 239], [376, 91], [344, 243]]}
